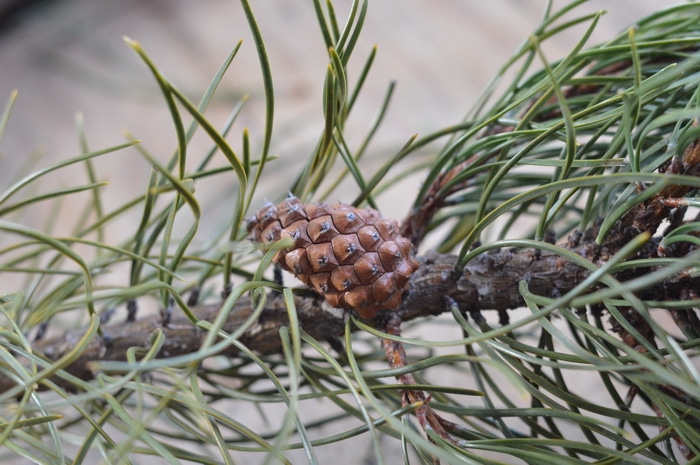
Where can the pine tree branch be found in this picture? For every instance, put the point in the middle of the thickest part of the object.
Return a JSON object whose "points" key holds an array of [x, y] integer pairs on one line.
{"points": [[434, 280], [489, 282]]}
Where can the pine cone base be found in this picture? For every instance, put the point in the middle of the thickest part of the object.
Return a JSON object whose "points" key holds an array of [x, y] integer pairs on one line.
{"points": [[352, 256]]}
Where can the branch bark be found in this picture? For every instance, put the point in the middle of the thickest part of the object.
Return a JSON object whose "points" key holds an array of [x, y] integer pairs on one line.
{"points": [[489, 282]]}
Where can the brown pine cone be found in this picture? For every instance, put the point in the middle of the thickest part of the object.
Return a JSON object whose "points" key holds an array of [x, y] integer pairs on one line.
{"points": [[352, 256]]}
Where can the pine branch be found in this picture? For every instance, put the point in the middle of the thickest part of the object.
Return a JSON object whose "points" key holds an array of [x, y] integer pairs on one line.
{"points": [[492, 280], [595, 134], [488, 282]]}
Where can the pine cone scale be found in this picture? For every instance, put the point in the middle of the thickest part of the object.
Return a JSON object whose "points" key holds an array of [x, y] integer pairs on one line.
{"points": [[369, 238], [347, 248]]}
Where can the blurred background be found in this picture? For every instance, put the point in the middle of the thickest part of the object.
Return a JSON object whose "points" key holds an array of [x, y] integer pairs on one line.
{"points": [[67, 58]]}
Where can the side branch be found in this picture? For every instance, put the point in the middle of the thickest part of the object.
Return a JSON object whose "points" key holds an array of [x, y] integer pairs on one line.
{"points": [[489, 282]]}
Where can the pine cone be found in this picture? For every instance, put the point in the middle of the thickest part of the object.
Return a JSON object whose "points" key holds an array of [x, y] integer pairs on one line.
{"points": [[352, 256]]}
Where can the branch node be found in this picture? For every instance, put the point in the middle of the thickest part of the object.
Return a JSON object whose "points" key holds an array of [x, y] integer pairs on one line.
{"points": [[131, 310]]}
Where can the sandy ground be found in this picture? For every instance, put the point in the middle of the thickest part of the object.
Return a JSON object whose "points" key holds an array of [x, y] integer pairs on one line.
{"points": [[69, 58]]}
